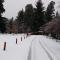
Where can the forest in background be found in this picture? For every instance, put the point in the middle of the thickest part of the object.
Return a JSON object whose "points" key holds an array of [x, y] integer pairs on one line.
{"points": [[31, 20]]}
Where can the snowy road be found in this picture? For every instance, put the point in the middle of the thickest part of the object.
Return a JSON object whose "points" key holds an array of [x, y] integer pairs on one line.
{"points": [[37, 52], [34, 47], [44, 48]]}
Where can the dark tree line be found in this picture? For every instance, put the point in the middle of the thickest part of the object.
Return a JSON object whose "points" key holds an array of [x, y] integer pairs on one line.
{"points": [[20, 21], [2, 19], [34, 18], [29, 20], [50, 11]]}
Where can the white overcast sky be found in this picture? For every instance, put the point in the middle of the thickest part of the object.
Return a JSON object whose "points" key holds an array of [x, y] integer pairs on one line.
{"points": [[12, 7]]}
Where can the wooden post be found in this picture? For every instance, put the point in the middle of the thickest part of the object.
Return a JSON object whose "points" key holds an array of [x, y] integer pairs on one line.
{"points": [[27, 35], [4, 48], [16, 40], [21, 38], [24, 37]]}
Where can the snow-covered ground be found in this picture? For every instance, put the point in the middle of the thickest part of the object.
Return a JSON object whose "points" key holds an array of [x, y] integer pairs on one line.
{"points": [[34, 47]]}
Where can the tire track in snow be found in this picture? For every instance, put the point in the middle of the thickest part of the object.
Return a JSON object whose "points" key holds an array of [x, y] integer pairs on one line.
{"points": [[51, 58], [30, 51], [29, 54], [34, 49], [49, 51]]}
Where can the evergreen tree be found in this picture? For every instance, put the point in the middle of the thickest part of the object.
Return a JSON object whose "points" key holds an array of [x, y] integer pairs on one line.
{"points": [[10, 25], [28, 17], [20, 21], [2, 22], [50, 11], [38, 16], [57, 15], [20, 16], [34, 27]]}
